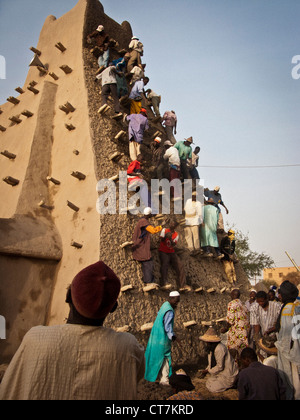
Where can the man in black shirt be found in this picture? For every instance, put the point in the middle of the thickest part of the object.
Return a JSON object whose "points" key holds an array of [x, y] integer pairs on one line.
{"points": [[257, 381]]}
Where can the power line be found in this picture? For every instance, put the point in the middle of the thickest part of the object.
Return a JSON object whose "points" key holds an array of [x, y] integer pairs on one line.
{"points": [[250, 167]]}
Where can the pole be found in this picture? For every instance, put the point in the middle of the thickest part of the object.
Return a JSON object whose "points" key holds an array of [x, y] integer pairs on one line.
{"points": [[296, 266]]}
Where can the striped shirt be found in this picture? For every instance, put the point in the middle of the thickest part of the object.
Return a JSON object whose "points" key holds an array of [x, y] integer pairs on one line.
{"points": [[265, 318]]}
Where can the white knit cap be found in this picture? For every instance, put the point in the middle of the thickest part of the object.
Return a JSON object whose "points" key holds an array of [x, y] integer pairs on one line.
{"points": [[100, 28], [174, 294], [147, 211]]}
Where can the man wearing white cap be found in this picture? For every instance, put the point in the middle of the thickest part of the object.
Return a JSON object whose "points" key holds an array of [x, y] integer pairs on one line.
{"points": [[102, 47], [136, 49], [217, 200], [155, 101], [158, 352], [141, 250], [216, 196]]}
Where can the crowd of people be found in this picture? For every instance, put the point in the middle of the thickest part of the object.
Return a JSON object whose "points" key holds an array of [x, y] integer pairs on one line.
{"points": [[257, 349], [125, 80], [262, 362], [204, 233], [262, 366], [201, 235], [83, 360]]}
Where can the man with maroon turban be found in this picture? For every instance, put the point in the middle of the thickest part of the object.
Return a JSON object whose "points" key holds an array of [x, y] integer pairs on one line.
{"points": [[81, 360]]}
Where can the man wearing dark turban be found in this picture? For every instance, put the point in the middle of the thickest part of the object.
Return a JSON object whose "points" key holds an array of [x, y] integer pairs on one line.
{"points": [[81, 360], [288, 340]]}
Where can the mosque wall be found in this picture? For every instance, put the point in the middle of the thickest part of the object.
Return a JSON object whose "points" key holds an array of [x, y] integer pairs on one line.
{"points": [[49, 226]]}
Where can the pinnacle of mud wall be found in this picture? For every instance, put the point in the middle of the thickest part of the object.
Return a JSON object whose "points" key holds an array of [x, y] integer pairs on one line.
{"points": [[31, 191]]}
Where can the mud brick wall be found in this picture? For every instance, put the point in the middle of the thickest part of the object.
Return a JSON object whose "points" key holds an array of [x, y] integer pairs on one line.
{"points": [[49, 230], [136, 307]]}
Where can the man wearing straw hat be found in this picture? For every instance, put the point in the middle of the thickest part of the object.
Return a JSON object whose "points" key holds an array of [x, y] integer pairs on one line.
{"points": [[158, 352], [267, 344], [221, 368]]}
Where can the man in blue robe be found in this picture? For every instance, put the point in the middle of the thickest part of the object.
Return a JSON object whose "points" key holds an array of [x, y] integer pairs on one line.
{"points": [[158, 352]]}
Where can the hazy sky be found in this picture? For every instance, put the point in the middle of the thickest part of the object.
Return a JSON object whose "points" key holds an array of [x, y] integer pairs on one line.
{"points": [[225, 67]]}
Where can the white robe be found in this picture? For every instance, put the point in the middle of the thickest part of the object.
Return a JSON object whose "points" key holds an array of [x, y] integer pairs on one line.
{"points": [[288, 346], [224, 374]]}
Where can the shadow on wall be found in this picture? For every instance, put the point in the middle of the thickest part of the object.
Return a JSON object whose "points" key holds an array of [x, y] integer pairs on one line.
{"points": [[25, 292]]}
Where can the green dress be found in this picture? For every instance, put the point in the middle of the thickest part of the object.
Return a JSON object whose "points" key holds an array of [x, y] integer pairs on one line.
{"points": [[208, 234], [159, 345]]}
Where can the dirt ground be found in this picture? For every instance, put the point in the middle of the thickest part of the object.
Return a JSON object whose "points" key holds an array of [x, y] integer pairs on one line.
{"points": [[153, 391]]}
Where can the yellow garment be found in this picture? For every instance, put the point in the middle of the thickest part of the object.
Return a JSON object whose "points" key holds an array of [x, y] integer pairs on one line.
{"points": [[231, 235], [135, 107], [153, 230], [230, 271], [74, 362]]}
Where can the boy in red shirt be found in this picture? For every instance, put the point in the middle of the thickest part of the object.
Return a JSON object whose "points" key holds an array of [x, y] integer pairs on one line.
{"points": [[135, 179], [136, 183], [168, 241]]}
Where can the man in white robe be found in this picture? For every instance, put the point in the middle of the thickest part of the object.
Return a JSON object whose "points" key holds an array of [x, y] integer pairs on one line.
{"points": [[288, 338], [222, 369]]}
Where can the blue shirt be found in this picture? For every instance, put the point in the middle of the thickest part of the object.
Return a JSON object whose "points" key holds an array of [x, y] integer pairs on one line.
{"points": [[168, 324], [138, 123], [137, 89], [120, 64], [215, 196]]}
